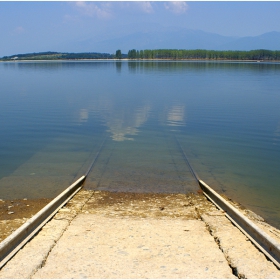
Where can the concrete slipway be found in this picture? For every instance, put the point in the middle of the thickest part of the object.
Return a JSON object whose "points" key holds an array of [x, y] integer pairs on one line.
{"points": [[125, 235]]}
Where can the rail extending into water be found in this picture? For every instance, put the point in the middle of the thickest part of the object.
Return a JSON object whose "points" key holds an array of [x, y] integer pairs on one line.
{"points": [[14, 242], [262, 240]]}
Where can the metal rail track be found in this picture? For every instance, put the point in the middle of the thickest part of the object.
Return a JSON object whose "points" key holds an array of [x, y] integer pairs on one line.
{"points": [[261, 239], [14, 242]]}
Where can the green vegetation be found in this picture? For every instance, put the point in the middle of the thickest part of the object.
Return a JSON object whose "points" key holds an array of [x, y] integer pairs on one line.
{"points": [[204, 54], [171, 54], [119, 54], [57, 56]]}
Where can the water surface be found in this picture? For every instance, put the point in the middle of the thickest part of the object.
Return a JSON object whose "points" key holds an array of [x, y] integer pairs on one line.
{"points": [[54, 116]]}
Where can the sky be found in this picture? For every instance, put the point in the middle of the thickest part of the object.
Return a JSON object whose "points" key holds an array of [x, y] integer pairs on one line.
{"points": [[36, 26]]}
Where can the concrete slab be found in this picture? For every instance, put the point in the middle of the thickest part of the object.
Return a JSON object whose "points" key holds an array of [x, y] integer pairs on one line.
{"points": [[100, 247], [131, 235]]}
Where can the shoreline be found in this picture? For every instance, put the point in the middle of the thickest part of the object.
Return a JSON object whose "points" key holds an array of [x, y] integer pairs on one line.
{"points": [[14, 213]]}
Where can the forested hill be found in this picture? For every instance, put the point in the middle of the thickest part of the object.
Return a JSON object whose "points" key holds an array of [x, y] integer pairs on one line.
{"points": [[58, 56]]}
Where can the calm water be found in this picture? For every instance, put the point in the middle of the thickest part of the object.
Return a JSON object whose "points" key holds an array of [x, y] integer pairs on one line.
{"points": [[54, 117]]}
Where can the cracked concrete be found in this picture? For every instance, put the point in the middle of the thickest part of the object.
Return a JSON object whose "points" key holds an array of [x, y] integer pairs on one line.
{"points": [[244, 258], [34, 254], [125, 235], [142, 248]]}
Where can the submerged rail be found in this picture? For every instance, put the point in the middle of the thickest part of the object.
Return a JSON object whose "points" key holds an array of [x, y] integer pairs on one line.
{"points": [[261, 239], [187, 161], [13, 243]]}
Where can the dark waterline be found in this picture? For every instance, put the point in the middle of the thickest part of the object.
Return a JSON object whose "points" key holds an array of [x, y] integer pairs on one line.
{"points": [[54, 115]]}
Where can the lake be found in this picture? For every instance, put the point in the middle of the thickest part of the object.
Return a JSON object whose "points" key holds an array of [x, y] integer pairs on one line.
{"points": [[141, 116]]}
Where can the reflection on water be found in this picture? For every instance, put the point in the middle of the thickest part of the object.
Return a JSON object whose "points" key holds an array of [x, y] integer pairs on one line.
{"points": [[176, 116], [123, 123], [121, 119], [55, 115], [83, 115]]}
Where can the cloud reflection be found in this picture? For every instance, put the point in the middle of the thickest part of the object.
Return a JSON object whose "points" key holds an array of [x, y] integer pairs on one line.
{"points": [[83, 115], [122, 119], [176, 116], [125, 123]]}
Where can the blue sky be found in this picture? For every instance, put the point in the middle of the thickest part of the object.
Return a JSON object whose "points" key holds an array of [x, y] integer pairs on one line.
{"points": [[54, 26]]}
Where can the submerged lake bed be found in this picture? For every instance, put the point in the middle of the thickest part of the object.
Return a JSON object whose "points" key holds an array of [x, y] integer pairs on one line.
{"points": [[57, 115]]}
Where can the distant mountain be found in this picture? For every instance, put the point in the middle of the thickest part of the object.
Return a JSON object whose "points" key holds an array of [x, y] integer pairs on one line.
{"points": [[268, 41], [180, 39], [171, 39]]}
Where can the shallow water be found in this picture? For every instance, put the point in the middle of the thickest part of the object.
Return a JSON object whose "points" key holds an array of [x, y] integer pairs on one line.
{"points": [[55, 115]]}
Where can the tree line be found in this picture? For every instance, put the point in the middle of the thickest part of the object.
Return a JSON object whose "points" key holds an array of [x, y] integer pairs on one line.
{"points": [[172, 54], [58, 56], [203, 54]]}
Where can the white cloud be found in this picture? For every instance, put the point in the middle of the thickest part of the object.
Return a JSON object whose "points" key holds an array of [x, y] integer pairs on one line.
{"points": [[135, 6], [145, 6], [176, 7], [92, 9]]}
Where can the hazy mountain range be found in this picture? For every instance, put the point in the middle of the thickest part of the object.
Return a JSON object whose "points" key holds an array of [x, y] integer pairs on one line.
{"points": [[177, 39]]}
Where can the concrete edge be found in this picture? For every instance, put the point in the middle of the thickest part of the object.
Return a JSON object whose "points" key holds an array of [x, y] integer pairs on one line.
{"points": [[13, 243], [262, 240]]}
